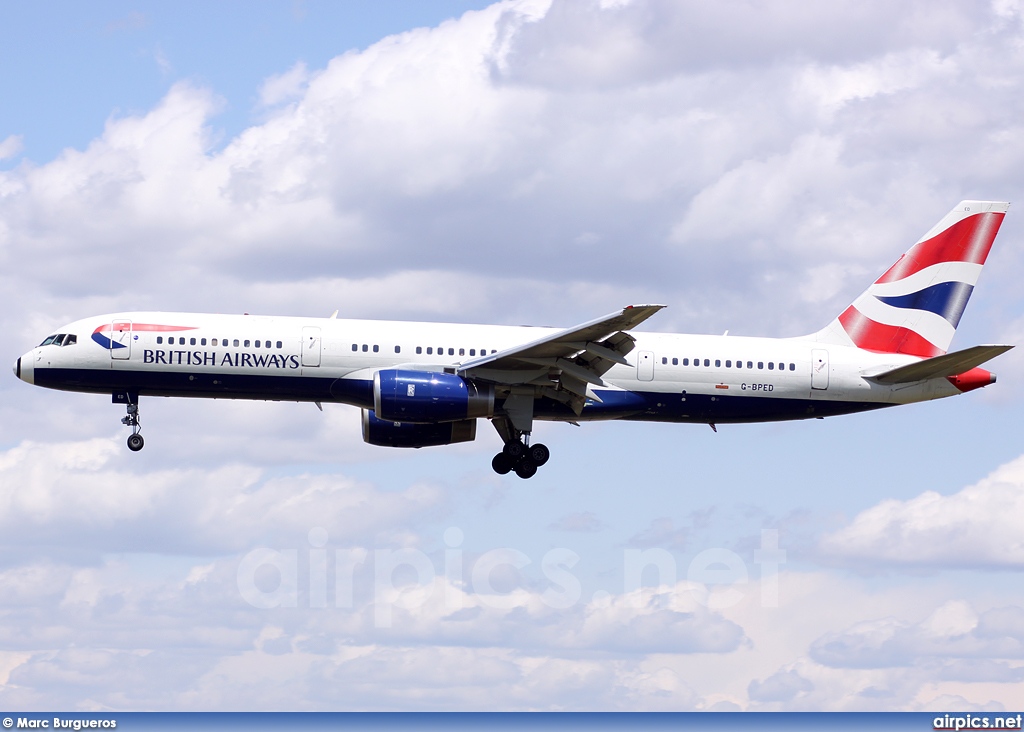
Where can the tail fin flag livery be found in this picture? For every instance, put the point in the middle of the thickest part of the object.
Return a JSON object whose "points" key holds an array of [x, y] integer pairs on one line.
{"points": [[915, 307], [422, 384]]}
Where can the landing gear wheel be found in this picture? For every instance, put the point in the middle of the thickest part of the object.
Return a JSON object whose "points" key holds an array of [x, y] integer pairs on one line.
{"points": [[502, 464], [135, 441], [514, 449], [526, 469], [538, 454]]}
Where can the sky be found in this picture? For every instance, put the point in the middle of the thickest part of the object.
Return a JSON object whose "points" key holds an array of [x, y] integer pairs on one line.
{"points": [[753, 166]]}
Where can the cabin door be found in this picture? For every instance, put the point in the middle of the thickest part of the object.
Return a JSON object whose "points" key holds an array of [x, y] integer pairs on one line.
{"points": [[819, 368], [310, 346], [121, 340], [645, 366]]}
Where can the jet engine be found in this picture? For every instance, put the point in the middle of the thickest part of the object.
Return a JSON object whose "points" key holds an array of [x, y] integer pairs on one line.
{"points": [[427, 397], [387, 433]]}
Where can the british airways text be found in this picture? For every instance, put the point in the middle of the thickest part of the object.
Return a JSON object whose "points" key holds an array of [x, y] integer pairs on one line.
{"points": [[209, 358]]}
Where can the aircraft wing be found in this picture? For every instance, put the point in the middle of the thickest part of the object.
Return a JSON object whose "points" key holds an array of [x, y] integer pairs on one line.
{"points": [[569, 360], [949, 364]]}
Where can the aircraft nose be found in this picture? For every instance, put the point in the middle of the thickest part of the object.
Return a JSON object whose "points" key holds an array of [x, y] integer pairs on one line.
{"points": [[24, 370]]}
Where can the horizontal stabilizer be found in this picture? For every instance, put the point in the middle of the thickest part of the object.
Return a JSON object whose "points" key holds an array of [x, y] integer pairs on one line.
{"points": [[939, 367]]}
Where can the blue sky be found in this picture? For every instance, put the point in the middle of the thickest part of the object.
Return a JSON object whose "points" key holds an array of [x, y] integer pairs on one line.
{"points": [[522, 163], [71, 66]]}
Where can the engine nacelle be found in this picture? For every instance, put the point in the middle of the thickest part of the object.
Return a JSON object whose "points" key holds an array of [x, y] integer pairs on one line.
{"points": [[386, 433], [427, 397]]}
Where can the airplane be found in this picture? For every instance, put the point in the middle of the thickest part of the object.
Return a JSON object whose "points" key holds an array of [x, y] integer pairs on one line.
{"points": [[424, 384]]}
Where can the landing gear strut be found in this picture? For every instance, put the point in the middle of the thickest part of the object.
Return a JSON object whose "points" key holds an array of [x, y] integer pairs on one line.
{"points": [[519, 455], [135, 441]]}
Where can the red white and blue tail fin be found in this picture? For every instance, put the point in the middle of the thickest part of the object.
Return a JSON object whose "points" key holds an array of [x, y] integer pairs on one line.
{"points": [[915, 307]]}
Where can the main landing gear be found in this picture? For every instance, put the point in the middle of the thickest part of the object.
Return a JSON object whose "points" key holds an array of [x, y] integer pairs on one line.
{"points": [[135, 441], [521, 457]]}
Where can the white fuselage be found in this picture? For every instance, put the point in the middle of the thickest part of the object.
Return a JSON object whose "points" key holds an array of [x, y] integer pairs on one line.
{"points": [[668, 377]]}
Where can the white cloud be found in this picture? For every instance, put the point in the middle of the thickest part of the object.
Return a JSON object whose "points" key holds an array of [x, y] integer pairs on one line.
{"points": [[59, 496], [953, 631], [835, 86], [782, 686], [284, 87], [978, 526], [417, 155], [10, 146]]}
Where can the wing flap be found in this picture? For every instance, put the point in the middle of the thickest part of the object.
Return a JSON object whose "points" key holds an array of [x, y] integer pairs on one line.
{"points": [[585, 351], [938, 367]]}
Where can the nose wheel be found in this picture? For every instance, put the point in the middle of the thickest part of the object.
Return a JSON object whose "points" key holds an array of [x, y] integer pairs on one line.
{"points": [[520, 457], [135, 441]]}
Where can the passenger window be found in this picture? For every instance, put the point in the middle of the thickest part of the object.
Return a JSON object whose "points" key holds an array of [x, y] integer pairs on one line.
{"points": [[246, 342], [365, 348], [257, 343], [728, 364], [718, 363], [419, 349], [792, 367], [771, 366], [664, 359], [376, 348], [707, 361], [750, 364], [675, 361], [213, 342], [472, 351], [451, 351], [192, 341], [398, 349], [493, 351], [355, 346], [462, 351], [760, 364], [202, 342], [686, 362], [159, 340], [236, 343], [430, 350], [279, 344]]}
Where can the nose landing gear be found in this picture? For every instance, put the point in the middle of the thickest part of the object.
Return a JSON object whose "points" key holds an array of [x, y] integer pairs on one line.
{"points": [[135, 441]]}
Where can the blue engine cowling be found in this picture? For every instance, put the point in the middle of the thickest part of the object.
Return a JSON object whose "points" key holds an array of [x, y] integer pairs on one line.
{"points": [[407, 434], [427, 397]]}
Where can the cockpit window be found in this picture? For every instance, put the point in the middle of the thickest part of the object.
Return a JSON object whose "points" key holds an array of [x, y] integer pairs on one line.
{"points": [[60, 339]]}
